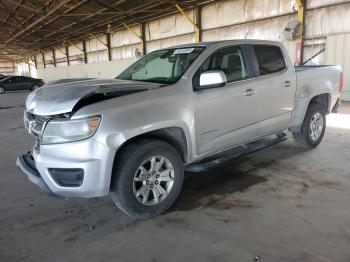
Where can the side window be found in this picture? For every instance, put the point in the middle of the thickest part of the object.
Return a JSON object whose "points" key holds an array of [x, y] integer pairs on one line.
{"points": [[11, 80], [270, 59], [16, 79], [228, 59], [26, 79]]}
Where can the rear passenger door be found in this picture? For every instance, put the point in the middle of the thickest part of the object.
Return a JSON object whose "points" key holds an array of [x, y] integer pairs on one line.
{"points": [[26, 83], [276, 87]]}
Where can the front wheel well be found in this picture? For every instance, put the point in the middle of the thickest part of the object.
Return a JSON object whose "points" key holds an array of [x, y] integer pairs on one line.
{"points": [[175, 136]]}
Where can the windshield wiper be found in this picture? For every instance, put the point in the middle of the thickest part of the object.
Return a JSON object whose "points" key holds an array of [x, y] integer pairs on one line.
{"points": [[159, 80]]}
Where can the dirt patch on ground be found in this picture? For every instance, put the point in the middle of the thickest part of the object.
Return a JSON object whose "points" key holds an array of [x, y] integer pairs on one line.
{"points": [[237, 203], [221, 203], [209, 189]]}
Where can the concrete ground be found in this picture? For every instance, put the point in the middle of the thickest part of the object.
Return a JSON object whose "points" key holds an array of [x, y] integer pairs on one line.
{"points": [[281, 204]]}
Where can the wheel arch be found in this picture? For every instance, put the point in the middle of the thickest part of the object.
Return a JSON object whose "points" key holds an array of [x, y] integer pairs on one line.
{"points": [[302, 105], [175, 136], [322, 99]]}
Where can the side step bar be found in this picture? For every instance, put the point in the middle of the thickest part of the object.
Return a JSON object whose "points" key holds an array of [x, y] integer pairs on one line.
{"points": [[243, 150]]}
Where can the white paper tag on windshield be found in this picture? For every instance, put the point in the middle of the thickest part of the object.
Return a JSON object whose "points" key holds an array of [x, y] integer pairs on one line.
{"points": [[183, 51]]}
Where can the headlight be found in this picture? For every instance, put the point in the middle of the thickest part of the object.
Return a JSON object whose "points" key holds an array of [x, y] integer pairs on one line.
{"points": [[63, 131]]}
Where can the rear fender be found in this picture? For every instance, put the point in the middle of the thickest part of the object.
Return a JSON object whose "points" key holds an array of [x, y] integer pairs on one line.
{"points": [[301, 106]]}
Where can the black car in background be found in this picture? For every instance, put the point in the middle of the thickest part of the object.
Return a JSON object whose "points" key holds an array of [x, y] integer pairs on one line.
{"points": [[13, 83]]}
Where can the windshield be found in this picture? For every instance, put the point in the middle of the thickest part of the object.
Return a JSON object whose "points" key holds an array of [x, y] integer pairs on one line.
{"points": [[164, 66], [4, 79]]}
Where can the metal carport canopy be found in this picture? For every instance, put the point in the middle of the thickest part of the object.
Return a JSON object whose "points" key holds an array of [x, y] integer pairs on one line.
{"points": [[31, 26]]}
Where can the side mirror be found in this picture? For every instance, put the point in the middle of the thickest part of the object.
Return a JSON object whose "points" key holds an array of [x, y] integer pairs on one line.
{"points": [[211, 79]]}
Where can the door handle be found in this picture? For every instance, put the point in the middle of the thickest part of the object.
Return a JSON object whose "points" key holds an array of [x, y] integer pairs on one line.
{"points": [[286, 84], [250, 92]]}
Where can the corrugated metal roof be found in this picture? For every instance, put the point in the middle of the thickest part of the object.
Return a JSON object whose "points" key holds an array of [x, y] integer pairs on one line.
{"points": [[30, 26]]}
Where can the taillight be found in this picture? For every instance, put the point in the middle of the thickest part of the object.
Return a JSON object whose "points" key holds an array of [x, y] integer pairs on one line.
{"points": [[341, 82]]}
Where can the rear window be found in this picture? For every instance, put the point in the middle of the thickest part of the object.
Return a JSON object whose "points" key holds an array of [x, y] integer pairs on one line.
{"points": [[270, 59]]}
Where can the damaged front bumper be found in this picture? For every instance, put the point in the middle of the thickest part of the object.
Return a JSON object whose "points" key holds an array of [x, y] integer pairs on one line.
{"points": [[78, 169], [26, 164]]}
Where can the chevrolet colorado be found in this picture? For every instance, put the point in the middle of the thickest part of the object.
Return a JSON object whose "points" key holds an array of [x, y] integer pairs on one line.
{"points": [[133, 136]]}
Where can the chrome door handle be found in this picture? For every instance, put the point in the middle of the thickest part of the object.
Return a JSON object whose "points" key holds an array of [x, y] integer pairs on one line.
{"points": [[250, 92], [286, 84]]}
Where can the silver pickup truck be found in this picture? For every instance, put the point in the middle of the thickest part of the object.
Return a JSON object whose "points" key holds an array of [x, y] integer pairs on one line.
{"points": [[134, 136]]}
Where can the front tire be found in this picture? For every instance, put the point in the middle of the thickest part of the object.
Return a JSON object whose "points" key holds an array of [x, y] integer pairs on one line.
{"points": [[147, 178], [2, 90], [313, 127], [35, 87]]}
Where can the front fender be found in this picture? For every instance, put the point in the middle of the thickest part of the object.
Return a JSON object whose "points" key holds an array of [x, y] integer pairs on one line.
{"points": [[136, 114], [118, 139]]}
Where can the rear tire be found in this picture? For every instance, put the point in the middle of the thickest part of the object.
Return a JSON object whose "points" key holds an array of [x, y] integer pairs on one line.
{"points": [[313, 127], [2, 90], [142, 189]]}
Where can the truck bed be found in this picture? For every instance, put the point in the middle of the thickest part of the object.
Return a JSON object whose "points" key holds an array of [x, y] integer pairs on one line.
{"points": [[312, 75], [312, 80], [307, 67]]}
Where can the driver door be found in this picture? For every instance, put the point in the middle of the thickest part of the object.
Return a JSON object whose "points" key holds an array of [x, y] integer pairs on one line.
{"points": [[226, 116]]}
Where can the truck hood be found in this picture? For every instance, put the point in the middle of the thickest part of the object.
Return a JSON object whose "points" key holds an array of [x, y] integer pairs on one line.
{"points": [[61, 96]]}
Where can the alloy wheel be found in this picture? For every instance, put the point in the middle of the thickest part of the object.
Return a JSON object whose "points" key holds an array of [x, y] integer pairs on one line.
{"points": [[153, 180], [316, 126]]}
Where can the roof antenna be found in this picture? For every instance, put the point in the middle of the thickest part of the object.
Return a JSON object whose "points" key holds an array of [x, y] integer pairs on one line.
{"points": [[246, 35]]}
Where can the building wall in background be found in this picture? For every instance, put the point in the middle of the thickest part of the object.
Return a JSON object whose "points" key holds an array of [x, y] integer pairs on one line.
{"points": [[106, 69], [7, 68], [231, 19], [338, 53]]}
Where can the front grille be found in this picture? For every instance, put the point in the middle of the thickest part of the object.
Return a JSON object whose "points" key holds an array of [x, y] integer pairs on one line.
{"points": [[35, 125]]}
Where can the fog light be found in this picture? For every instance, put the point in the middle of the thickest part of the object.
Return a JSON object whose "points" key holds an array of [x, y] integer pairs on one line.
{"points": [[67, 177]]}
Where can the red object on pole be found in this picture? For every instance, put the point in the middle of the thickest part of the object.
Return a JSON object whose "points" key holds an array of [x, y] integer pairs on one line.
{"points": [[341, 82], [298, 53]]}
